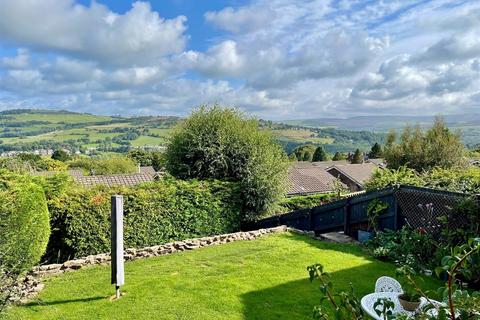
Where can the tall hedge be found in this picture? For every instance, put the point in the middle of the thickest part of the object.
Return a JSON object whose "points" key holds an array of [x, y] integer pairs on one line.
{"points": [[154, 213], [24, 229], [24, 223]]}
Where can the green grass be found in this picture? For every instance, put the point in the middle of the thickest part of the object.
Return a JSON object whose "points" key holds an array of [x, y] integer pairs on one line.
{"points": [[261, 279]]}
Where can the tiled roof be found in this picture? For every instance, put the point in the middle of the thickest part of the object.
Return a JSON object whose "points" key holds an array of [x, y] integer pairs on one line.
{"points": [[115, 180], [310, 179], [322, 164], [378, 162], [146, 174], [359, 173]]}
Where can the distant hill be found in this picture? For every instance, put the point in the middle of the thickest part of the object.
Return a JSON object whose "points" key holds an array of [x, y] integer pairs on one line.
{"points": [[28, 130], [469, 124]]}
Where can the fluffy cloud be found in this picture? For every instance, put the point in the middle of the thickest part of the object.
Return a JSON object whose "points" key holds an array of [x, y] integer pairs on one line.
{"points": [[137, 37], [277, 58]]}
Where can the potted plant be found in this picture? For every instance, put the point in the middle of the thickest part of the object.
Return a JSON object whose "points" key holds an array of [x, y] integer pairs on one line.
{"points": [[410, 298], [375, 209]]}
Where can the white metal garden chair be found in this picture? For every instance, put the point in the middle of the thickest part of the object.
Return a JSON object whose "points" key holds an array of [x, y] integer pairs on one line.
{"points": [[388, 284]]}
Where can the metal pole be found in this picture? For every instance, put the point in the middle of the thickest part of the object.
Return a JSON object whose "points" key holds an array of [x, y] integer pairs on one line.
{"points": [[117, 273]]}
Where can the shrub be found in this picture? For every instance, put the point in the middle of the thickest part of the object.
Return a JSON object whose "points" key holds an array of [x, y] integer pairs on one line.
{"points": [[24, 229], [305, 202], [60, 155], [147, 158], [104, 166], [222, 143], [154, 213]]}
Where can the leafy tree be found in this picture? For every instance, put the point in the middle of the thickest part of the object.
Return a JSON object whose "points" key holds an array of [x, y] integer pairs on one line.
{"points": [[437, 147], [357, 157], [304, 152], [147, 158], [376, 151], [339, 156], [320, 154], [60, 155], [223, 143]]}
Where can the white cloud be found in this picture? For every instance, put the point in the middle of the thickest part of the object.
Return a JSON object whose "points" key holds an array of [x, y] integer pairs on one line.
{"points": [[139, 36], [277, 58]]}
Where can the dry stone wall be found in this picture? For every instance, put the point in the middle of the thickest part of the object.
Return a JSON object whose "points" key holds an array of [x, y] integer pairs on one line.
{"points": [[31, 285]]}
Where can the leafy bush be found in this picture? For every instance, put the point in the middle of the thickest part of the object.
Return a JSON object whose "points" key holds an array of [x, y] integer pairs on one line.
{"points": [[30, 163], [222, 143], [105, 165], [60, 155], [404, 247], [456, 179], [24, 229], [305, 202], [154, 213], [147, 158]]}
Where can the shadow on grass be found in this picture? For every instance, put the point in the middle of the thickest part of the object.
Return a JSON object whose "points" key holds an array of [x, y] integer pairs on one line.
{"points": [[56, 302], [296, 299]]}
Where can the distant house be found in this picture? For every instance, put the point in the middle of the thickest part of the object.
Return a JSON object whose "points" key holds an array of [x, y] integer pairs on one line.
{"points": [[353, 175]]}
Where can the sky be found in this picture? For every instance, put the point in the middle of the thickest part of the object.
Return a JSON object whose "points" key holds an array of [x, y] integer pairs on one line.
{"points": [[275, 59]]}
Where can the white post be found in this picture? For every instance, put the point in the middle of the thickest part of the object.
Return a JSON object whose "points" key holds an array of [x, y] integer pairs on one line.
{"points": [[118, 277]]}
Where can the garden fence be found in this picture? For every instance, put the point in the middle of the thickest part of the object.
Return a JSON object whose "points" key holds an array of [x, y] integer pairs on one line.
{"points": [[415, 206]]}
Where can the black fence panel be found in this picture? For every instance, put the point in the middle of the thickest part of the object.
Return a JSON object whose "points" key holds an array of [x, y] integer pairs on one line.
{"points": [[406, 204]]}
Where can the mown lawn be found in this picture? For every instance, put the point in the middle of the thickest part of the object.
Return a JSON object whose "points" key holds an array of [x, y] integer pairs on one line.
{"points": [[261, 279]]}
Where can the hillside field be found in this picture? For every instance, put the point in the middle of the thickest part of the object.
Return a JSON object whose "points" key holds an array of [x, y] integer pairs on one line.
{"points": [[28, 130]]}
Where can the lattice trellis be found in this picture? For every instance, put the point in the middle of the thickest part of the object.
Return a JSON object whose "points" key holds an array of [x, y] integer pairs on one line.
{"points": [[422, 209]]}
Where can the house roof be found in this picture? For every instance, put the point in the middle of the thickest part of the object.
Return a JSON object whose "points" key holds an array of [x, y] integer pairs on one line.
{"points": [[320, 164], [359, 173], [145, 174], [310, 179], [379, 162], [114, 180]]}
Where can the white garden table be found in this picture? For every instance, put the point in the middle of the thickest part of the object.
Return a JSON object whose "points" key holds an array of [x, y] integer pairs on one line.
{"points": [[369, 300]]}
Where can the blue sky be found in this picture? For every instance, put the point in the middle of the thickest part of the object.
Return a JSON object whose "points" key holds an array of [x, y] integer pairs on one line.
{"points": [[277, 59]]}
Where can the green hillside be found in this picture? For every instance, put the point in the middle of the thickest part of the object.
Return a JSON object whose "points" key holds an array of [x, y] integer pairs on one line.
{"points": [[29, 130]]}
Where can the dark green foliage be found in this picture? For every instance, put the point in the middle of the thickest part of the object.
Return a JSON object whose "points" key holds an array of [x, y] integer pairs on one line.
{"points": [[154, 213], [320, 154], [305, 202], [339, 156], [357, 157], [304, 153], [409, 247], [24, 229], [60, 155], [376, 151], [147, 158], [222, 143], [437, 147]]}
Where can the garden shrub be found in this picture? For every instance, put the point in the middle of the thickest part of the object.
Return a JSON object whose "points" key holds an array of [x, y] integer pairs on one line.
{"points": [[24, 228], [104, 165], [305, 202], [222, 143], [154, 213]]}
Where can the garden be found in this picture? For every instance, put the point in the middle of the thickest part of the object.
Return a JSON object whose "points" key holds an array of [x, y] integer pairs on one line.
{"points": [[224, 175]]}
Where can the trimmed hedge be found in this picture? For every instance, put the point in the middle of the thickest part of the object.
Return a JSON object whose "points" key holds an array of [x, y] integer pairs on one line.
{"points": [[154, 213], [24, 223]]}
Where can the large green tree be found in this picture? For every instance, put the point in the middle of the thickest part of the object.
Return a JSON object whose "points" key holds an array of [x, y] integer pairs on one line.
{"points": [[357, 157], [304, 152], [223, 143], [376, 151], [320, 154], [424, 150]]}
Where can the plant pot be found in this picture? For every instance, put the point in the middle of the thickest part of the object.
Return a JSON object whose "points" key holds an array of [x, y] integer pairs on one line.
{"points": [[364, 236], [408, 305]]}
